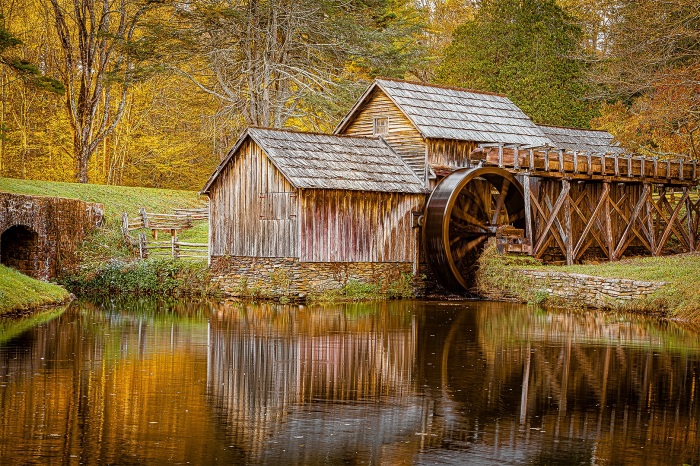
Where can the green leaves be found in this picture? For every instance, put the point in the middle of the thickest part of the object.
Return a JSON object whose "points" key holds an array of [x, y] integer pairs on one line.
{"points": [[29, 72], [525, 50]]}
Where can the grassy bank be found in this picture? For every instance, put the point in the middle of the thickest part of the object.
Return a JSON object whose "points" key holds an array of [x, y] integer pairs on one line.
{"points": [[679, 298], [106, 264], [19, 292], [117, 199]]}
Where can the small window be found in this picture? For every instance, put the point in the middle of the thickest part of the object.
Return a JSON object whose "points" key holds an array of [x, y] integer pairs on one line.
{"points": [[277, 206], [381, 126]]}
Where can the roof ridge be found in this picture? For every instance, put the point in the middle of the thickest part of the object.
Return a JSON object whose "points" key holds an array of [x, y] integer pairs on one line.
{"points": [[574, 127], [442, 86], [312, 133]]}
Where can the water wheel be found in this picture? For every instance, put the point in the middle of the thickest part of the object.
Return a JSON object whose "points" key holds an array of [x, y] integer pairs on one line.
{"points": [[465, 209]]}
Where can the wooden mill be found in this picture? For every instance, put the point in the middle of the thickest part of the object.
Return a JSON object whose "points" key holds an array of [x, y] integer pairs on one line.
{"points": [[416, 178]]}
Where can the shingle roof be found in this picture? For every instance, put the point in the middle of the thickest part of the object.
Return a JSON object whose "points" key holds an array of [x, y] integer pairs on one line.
{"points": [[584, 140], [324, 161], [450, 113]]}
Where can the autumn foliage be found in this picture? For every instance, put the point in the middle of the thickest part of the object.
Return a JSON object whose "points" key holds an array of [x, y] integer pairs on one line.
{"points": [[172, 84]]}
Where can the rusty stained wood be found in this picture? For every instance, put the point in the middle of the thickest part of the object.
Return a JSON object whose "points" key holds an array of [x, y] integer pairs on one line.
{"points": [[240, 208], [345, 226], [402, 136]]}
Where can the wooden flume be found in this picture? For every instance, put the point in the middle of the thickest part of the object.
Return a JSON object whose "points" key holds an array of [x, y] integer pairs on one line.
{"points": [[560, 206]]}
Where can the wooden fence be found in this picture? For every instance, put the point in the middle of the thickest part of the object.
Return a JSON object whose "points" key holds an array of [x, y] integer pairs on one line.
{"points": [[181, 219], [173, 248]]}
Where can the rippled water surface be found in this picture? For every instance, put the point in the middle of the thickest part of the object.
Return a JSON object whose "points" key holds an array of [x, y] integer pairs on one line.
{"points": [[385, 383]]}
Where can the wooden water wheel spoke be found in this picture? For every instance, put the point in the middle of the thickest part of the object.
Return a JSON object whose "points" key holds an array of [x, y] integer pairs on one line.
{"points": [[465, 209], [503, 192], [470, 245]]}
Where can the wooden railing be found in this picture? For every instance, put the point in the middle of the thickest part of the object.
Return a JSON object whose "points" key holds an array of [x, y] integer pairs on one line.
{"points": [[173, 248]]}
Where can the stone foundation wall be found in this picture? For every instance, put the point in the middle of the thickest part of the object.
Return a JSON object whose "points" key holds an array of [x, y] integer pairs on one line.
{"points": [[594, 291], [274, 276]]}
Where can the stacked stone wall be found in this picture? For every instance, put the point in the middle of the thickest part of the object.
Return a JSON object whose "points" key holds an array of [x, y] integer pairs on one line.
{"points": [[239, 276], [594, 291]]}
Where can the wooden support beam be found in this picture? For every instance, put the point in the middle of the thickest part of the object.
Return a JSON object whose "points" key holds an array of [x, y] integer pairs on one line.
{"points": [[558, 232], [618, 208], [629, 166], [651, 227], [563, 195], [630, 225], [689, 219], [566, 185], [602, 164], [561, 160], [608, 225], [589, 161], [599, 206], [528, 208], [670, 225]]}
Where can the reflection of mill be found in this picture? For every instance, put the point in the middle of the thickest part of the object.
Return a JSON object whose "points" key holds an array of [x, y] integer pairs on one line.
{"points": [[266, 359], [570, 378]]}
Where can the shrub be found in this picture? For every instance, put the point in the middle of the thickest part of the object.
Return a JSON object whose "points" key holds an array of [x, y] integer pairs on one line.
{"points": [[143, 277]]}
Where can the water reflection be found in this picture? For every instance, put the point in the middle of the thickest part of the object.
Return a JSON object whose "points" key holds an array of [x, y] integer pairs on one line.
{"points": [[385, 383]]}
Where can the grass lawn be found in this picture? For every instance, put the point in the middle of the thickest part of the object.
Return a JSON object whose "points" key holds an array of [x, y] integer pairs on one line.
{"points": [[19, 292], [679, 298], [116, 200]]}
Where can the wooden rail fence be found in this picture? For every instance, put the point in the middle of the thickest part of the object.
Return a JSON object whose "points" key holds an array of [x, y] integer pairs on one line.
{"points": [[181, 219]]}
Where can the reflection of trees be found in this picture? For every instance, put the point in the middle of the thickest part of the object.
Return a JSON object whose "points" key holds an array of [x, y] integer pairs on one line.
{"points": [[560, 378], [109, 386], [264, 359]]}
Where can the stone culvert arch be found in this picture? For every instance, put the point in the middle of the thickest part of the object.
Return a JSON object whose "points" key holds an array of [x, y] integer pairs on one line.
{"points": [[39, 235], [19, 249]]}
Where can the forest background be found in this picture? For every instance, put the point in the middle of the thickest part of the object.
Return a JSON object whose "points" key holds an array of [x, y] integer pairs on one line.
{"points": [[154, 92]]}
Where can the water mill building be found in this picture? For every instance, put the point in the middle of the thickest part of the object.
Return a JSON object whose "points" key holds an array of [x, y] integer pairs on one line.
{"points": [[414, 182]]}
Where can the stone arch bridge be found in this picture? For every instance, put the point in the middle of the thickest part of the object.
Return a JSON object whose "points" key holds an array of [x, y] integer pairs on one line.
{"points": [[39, 235]]}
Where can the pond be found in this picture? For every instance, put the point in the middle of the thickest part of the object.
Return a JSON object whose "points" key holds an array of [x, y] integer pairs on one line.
{"points": [[403, 382]]}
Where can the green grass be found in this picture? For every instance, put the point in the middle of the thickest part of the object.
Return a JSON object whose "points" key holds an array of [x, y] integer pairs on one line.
{"points": [[107, 243], [679, 298], [116, 199], [11, 327], [19, 292]]}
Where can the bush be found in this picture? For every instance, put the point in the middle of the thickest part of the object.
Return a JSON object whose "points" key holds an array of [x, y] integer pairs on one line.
{"points": [[151, 276]]}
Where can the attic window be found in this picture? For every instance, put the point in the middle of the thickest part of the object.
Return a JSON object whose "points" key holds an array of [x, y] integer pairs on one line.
{"points": [[381, 126]]}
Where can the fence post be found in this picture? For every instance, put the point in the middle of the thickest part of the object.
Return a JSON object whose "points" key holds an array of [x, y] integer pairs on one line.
{"points": [[125, 224], [143, 246], [172, 247], [142, 212]]}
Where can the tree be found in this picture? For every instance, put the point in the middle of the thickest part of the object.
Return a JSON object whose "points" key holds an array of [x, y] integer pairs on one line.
{"points": [[527, 50], [280, 62], [101, 52], [650, 76], [28, 71]]}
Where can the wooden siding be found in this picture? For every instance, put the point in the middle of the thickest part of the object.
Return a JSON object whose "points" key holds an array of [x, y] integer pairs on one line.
{"points": [[343, 226], [403, 137], [254, 209], [450, 153]]}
